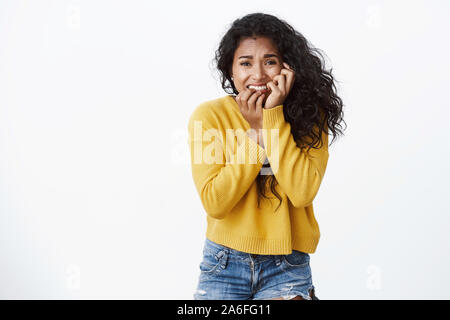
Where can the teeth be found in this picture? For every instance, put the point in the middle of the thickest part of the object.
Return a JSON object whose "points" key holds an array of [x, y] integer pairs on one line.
{"points": [[258, 87]]}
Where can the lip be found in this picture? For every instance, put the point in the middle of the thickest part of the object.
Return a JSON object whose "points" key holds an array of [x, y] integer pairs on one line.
{"points": [[257, 84], [261, 84]]}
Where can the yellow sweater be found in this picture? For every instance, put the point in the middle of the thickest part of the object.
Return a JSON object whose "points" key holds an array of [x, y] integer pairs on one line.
{"points": [[225, 163]]}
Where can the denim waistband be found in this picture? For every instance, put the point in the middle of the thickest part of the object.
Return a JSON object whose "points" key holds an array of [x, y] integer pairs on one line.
{"points": [[214, 245]]}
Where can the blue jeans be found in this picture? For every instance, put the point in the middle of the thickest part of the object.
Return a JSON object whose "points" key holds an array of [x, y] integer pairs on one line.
{"points": [[228, 274]]}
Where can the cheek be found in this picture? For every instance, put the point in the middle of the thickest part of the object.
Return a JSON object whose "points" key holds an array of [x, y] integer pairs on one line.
{"points": [[274, 72], [239, 82]]}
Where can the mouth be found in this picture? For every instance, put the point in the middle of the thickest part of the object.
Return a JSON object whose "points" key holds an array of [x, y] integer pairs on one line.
{"points": [[262, 88]]}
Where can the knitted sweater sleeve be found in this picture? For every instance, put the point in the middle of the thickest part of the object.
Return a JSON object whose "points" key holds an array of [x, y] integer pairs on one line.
{"points": [[221, 181], [298, 172]]}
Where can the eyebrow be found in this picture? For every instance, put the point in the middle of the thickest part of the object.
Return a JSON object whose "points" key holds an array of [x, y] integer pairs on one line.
{"points": [[269, 55]]}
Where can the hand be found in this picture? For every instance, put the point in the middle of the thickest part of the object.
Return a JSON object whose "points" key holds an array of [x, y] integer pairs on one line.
{"points": [[280, 87], [250, 103]]}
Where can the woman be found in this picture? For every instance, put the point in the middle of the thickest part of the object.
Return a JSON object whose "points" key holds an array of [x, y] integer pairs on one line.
{"points": [[279, 110]]}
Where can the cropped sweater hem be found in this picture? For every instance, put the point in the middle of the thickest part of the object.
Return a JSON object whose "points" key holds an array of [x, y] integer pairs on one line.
{"points": [[263, 246]]}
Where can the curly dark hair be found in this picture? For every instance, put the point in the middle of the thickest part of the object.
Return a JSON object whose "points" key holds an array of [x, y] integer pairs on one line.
{"points": [[312, 106]]}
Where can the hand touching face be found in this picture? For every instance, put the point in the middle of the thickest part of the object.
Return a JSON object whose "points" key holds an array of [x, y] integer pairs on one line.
{"points": [[280, 87], [250, 103], [260, 76], [256, 62]]}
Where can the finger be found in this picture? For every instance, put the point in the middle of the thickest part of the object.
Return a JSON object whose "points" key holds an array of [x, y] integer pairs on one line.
{"points": [[252, 100], [238, 100], [259, 103], [281, 78], [242, 100], [289, 78], [245, 96], [287, 66], [273, 87], [247, 93]]}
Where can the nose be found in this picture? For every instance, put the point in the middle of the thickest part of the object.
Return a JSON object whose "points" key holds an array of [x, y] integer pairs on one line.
{"points": [[258, 73]]}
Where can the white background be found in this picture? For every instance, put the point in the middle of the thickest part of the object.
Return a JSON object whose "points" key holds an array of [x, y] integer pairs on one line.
{"points": [[96, 194]]}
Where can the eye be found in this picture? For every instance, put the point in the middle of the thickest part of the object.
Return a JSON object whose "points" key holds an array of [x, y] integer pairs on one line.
{"points": [[246, 63]]}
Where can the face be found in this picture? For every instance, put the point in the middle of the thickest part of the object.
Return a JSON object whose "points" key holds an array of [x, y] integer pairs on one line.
{"points": [[256, 61]]}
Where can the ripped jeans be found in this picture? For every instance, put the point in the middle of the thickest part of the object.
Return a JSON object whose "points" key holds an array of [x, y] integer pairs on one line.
{"points": [[228, 274]]}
